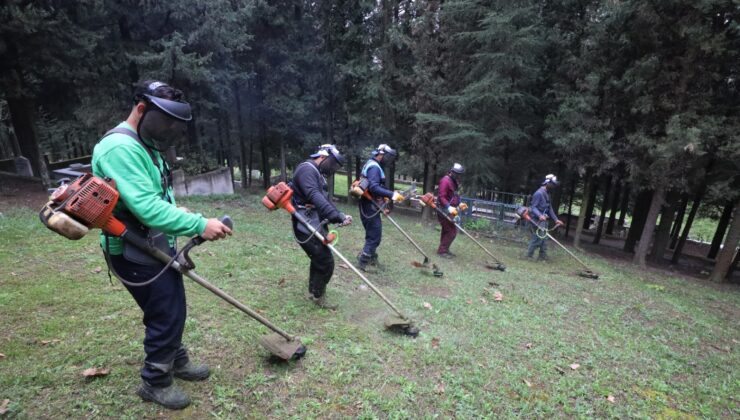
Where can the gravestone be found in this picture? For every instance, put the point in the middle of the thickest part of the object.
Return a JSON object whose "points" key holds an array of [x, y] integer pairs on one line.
{"points": [[23, 166]]}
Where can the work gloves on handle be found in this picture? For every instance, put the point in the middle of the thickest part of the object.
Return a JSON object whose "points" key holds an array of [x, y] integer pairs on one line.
{"points": [[346, 221], [398, 197]]}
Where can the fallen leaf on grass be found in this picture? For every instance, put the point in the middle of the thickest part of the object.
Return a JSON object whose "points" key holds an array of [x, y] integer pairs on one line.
{"points": [[440, 389], [97, 269], [345, 266], [498, 296], [528, 345], [427, 305], [46, 342], [610, 398], [4, 406], [95, 372], [2, 356], [493, 283], [483, 300], [529, 384], [12, 273], [469, 302], [559, 369], [211, 253], [435, 342], [575, 366], [363, 287], [281, 282]]}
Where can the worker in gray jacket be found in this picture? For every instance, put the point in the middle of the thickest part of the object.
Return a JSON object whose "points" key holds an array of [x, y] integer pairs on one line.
{"points": [[541, 210]]}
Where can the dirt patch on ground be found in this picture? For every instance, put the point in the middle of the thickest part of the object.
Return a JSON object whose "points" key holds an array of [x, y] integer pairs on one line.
{"points": [[19, 192]]}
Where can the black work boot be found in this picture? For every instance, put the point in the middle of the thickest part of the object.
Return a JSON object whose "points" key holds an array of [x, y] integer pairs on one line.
{"points": [[363, 260], [192, 372], [172, 397], [321, 302]]}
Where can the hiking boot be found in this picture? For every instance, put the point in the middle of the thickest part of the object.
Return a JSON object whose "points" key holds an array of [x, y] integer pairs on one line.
{"points": [[363, 260], [448, 255], [322, 303], [543, 258], [172, 397], [192, 372]]}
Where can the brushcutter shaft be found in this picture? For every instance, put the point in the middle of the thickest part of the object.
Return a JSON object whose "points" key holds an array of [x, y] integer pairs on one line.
{"points": [[569, 252], [218, 292], [460, 228], [407, 236], [320, 237]]}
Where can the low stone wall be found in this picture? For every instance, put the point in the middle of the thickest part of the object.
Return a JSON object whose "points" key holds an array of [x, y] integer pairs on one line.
{"points": [[214, 182]]}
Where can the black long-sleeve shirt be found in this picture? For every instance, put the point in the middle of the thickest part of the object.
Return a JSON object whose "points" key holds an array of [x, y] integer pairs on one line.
{"points": [[310, 187]]}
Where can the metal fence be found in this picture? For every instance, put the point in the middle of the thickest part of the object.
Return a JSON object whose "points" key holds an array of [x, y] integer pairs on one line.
{"points": [[495, 215]]}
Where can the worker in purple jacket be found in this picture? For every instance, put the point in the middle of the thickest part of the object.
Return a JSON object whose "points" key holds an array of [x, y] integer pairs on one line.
{"points": [[448, 200]]}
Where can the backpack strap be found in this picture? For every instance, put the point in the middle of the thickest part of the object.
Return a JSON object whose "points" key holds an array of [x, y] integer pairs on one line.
{"points": [[370, 163], [164, 170]]}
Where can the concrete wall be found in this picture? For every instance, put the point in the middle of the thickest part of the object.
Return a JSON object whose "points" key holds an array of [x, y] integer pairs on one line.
{"points": [[214, 182]]}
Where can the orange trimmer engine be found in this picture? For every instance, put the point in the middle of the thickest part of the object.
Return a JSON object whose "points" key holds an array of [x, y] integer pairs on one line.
{"points": [[428, 200], [278, 197], [87, 203], [523, 213]]}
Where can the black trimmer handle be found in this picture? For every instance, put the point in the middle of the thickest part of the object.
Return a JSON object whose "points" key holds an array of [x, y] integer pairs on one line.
{"points": [[185, 261]]}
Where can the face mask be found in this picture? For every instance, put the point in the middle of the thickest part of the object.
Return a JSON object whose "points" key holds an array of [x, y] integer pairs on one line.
{"points": [[329, 166], [160, 130]]}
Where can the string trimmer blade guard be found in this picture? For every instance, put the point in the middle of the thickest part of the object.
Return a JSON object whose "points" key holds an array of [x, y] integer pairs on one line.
{"points": [[436, 271], [282, 348], [496, 266], [588, 274], [401, 325]]}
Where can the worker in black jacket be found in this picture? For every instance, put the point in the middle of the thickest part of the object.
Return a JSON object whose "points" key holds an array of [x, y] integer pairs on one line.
{"points": [[311, 198]]}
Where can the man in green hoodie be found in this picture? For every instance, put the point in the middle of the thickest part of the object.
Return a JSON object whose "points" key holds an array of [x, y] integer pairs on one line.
{"points": [[131, 155]]}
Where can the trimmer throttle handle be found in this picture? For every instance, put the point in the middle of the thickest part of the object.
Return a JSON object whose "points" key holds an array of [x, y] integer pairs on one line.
{"points": [[185, 261]]}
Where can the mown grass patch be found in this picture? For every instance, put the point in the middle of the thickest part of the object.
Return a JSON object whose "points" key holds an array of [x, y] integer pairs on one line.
{"points": [[661, 346]]}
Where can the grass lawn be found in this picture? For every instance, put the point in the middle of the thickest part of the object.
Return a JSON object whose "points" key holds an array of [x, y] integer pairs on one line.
{"points": [[632, 344]]}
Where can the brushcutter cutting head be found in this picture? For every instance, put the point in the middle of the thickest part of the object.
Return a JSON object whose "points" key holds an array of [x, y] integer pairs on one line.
{"points": [[283, 348], [278, 197], [588, 274], [496, 266], [436, 272], [401, 325], [428, 200]]}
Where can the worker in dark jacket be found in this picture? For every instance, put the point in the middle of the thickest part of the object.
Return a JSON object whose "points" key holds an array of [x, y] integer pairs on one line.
{"points": [[311, 198], [369, 211], [448, 202], [541, 211]]}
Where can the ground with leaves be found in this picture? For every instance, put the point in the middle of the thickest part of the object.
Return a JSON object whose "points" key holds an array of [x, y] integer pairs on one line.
{"points": [[535, 341]]}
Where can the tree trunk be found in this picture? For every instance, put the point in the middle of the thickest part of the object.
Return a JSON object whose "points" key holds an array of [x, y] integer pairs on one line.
{"points": [[266, 172], [647, 233], [663, 234], [615, 207], [687, 228], [590, 204], [358, 167], [639, 215], [428, 214], [251, 159], [729, 249], [570, 203], [283, 172], [624, 206], [391, 179], [241, 137], [589, 185], [679, 221], [558, 195], [719, 234], [604, 208]]}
